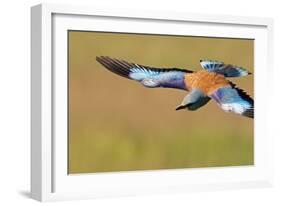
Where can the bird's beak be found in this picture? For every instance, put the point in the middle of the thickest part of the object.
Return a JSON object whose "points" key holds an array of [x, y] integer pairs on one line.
{"points": [[181, 107]]}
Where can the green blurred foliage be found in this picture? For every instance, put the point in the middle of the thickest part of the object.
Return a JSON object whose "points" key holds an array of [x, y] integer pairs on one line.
{"points": [[118, 125]]}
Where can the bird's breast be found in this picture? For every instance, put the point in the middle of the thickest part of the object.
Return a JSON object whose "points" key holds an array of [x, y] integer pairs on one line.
{"points": [[206, 81]]}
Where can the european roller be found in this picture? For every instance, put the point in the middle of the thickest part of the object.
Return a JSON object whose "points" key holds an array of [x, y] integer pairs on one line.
{"points": [[203, 85]]}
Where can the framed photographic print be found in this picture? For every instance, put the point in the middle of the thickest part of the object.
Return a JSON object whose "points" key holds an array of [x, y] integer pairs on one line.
{"points": [[135, 102]]}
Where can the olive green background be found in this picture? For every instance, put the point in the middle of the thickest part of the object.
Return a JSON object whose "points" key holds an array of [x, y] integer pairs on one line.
{"points": [[116, 124]]}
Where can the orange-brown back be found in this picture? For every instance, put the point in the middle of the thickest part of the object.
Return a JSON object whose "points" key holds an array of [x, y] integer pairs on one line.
{"points": [[206, 81]]}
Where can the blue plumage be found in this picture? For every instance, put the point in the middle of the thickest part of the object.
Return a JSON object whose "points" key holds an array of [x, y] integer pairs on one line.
{"points": [[150, 78], [194, 100], [147, 76], [227, 70], [235, 100]]}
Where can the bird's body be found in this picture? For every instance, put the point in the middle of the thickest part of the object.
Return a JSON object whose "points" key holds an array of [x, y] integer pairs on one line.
{"points": [[204, 85], [205, 81]]}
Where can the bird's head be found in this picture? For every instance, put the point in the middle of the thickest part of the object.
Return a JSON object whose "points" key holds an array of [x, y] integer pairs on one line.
{"points": [[193, 100], [186, 103], [179, 107]]}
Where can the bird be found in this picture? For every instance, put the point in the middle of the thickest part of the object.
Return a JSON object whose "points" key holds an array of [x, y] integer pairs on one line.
{"points": [[209, 83]]}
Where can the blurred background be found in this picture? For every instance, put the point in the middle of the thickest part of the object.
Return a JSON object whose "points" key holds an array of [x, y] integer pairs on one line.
{"points": [[116, 124]]}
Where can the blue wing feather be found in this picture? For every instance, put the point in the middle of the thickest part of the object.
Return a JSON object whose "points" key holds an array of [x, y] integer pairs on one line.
{"points": [[227, 70], [233, 99], [172, 79], [148, 76]]}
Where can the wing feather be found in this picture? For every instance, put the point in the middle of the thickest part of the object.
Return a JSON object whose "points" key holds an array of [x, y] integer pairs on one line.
{"points": [[148, 76], [227, 70], [233, 99]]}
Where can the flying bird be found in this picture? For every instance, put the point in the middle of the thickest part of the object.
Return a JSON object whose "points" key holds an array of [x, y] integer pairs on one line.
{"points": [[203, 85]]}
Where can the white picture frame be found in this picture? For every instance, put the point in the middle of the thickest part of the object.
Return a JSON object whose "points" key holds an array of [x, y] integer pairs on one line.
{"points": [[49, 178]]}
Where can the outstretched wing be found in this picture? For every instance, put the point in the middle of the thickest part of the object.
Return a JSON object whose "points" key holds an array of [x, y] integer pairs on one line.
{"points": [[233, 99], [227, 70], [148, 76]]}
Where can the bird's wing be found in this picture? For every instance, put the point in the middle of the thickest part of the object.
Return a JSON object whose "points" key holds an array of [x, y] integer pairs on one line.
{"points": [[147, 76], [227, 70], [232, 99], [194, 100]]}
